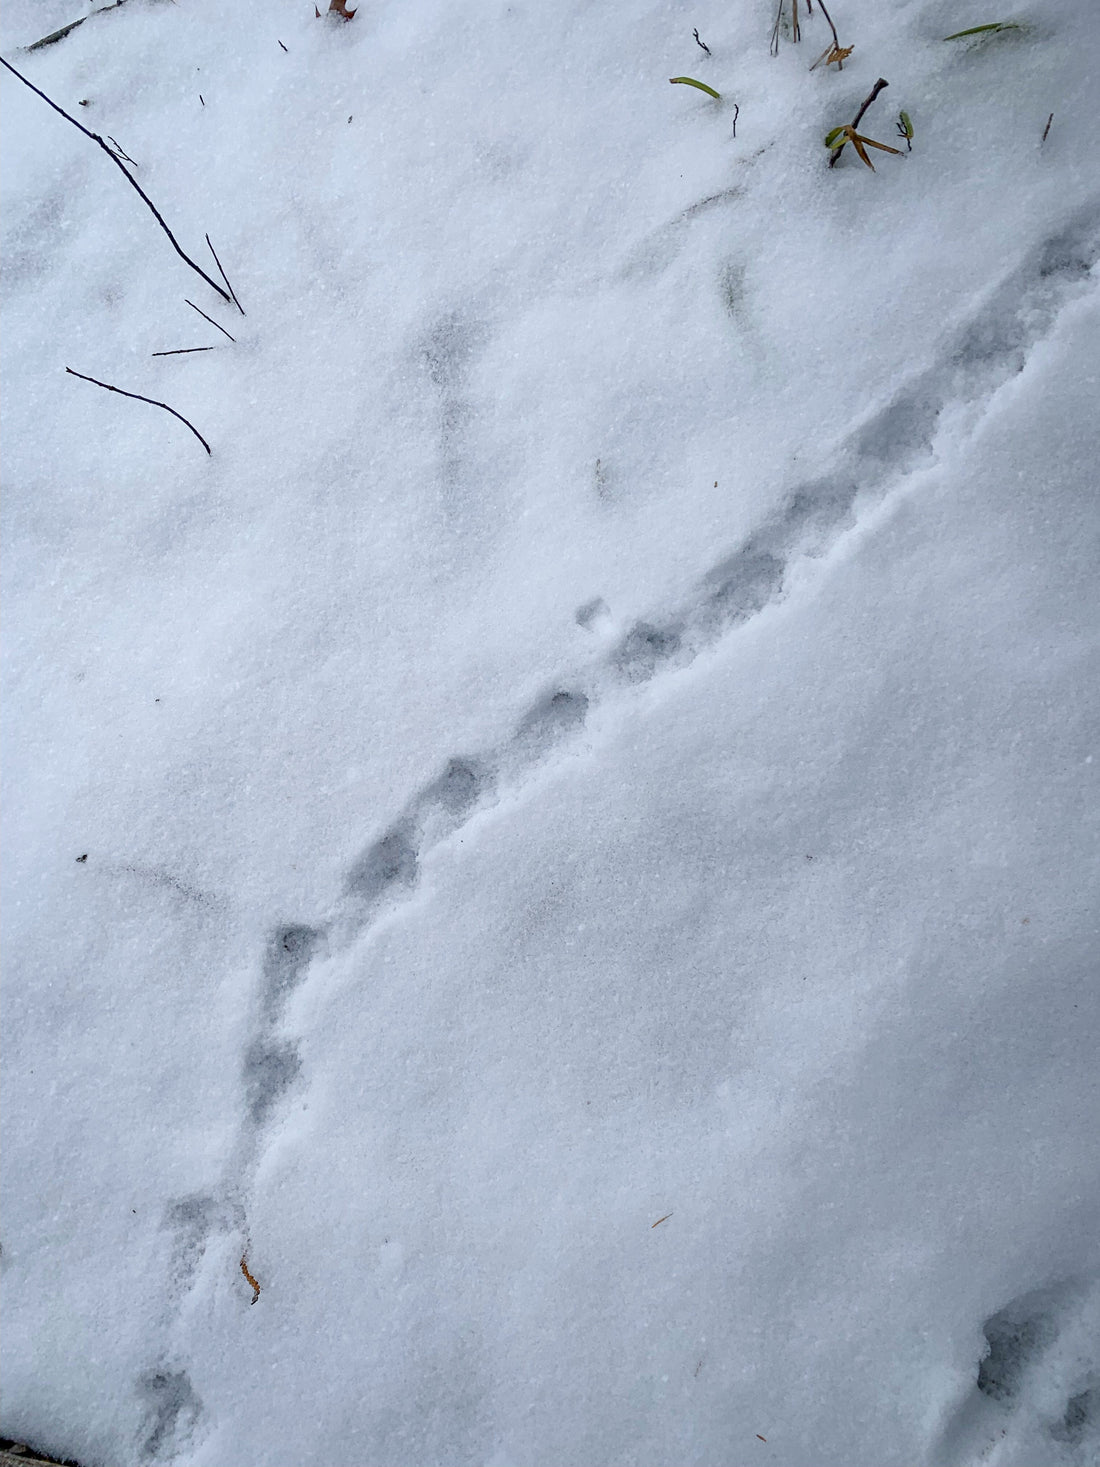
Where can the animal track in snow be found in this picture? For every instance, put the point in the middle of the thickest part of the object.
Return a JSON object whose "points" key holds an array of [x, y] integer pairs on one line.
{"points": [[270, 1069], [1036, 1381], [172, 1411], [551, 719], [594, 615], [975, 360], [387, 865], [193, 1220], [289, 954]]}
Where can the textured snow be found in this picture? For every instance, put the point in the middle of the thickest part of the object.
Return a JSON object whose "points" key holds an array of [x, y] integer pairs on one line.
{"points": [[589, 792]]}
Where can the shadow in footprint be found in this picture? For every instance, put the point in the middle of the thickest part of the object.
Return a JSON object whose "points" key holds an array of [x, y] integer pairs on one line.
{"points": [[289, 953], [1081, 1419], [645, 647], [389, 865], [817, 511], [1016, 1336], [551, 719], [739, 587], [172, 1411], [1011, 1376], [458, 789], [900, 432], [192, 1220], [270, 1069]]}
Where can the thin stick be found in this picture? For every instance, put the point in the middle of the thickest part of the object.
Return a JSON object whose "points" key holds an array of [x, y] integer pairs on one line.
{"points": [[878, 86], [205, 317], [704, 45], [281, 44], [736, 114], [225, 277], [138, 398], [1046, 129], [181, 351], [95, 137], [118, 150], [828, 17]]}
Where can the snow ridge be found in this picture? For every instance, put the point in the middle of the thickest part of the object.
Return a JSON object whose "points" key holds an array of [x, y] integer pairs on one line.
{"points": [[977, 358]]}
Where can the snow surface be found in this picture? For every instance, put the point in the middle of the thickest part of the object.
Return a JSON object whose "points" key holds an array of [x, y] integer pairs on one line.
{"points": [[589, 793]]}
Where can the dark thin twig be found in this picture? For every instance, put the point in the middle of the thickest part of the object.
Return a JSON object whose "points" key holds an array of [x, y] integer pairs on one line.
{"points": [[878, 86], [138, 398], [125, 173], [1046, 129], [200, 99], [205, 317], [121, 154], [829, 18], [281, 44], [225, 277], [736, 114], [704, 45], [182, 351]]}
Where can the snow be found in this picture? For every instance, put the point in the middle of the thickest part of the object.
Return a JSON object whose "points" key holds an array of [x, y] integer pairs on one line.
{"points": [[589, 791]]}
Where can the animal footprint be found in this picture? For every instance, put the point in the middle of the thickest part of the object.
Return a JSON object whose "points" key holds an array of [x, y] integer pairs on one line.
{"points": [[1040, 1350], [172, 1411]]}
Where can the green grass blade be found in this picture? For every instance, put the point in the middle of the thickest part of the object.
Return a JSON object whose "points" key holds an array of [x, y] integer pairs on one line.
{"points": [[977, 30], [689, 81]]}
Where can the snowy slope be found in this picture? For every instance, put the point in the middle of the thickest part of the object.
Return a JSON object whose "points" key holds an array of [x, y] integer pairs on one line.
{"points": [[608, 732]]}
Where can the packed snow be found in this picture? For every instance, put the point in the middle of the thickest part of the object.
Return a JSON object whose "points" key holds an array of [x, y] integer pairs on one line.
{"points": [[550, 882]]}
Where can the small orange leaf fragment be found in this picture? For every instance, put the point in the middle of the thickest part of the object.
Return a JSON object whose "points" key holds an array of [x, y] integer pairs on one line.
{"points": [[833, 55], [248, 1276]]}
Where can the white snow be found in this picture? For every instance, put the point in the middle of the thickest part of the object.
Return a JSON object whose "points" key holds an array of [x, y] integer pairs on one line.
{"points": [[589, 792]]}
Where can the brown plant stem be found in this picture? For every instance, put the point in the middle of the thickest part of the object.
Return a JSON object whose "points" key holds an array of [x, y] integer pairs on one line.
{"points": [[878, 86]]}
